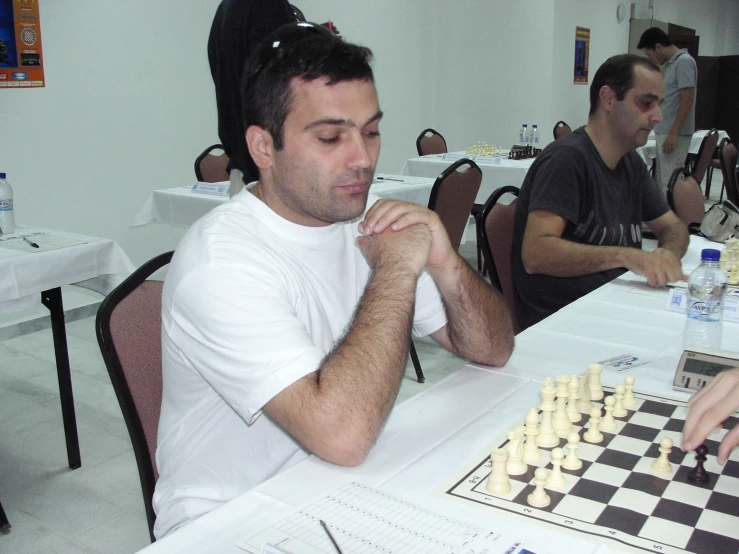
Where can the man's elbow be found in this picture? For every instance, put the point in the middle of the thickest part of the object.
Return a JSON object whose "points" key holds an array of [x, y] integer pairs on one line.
{"points": [[531, 263], [345, 449]]}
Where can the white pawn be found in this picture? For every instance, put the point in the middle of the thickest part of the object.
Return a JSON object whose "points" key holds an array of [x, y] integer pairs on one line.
{"points": [[618, 406], [556, 477], [516, 465], [593, 435], [539, 498], [662, 464], [574, 387], [629, 400], [583, 404], [572, 462], [596, 390], [560, 419], [547, 437], [530, 448], [608, 423], [498, 482]]}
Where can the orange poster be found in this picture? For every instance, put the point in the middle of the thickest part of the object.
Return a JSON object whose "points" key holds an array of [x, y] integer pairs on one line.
{"points": [[21, 59]]}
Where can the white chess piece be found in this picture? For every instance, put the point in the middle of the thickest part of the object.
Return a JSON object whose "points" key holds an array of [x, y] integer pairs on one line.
{"points": [[618, 406], [593, 435], [556, 477], [516, 465], [583, 404], [608, 423], [560, 419], [498, 482], [662, 464], [547, 437], [629, 400], [596, 390], [539, 498], [572, 462], [574, 387], [530, 448]]}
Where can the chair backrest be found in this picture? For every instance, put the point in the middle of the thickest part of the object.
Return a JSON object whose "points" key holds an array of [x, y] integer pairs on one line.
{"points": [[728, 158], [129, 332], [453, 195], [430, 142], [497, 234], [685, 197], [211, 168], [705, 153], [561, 129]]}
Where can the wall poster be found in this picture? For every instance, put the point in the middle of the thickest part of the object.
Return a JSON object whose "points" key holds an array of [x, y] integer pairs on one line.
{"points": [[582, 55], [21, 60]]}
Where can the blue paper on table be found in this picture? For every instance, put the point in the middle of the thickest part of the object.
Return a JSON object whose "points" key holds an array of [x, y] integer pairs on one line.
{"points": [[216, 189]]}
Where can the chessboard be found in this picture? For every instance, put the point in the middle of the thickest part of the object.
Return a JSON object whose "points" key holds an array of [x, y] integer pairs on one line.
{"points": [[616, 495]]}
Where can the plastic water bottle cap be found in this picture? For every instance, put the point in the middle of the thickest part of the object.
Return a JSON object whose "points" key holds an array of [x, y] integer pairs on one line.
{"points": [[710, 255], [2, 175]]}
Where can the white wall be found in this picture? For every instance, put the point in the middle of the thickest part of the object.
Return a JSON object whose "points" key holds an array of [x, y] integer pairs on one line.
{"points": [[129, 100]]}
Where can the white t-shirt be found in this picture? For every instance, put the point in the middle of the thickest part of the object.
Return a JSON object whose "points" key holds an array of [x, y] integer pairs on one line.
{"points": [[251, 303]]}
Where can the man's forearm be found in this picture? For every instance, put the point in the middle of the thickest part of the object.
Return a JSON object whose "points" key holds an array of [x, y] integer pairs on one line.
{"points": [[479, 325], [686, 103], [674, 238], [558, 257]]}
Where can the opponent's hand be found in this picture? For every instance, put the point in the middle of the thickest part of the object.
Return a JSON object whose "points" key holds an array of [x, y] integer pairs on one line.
{"points": [[669, 144], [708, 409], [393, 215], [659, 267]]}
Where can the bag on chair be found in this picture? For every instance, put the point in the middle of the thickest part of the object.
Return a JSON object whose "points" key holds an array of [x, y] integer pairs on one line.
{"points": [[721, 222]]}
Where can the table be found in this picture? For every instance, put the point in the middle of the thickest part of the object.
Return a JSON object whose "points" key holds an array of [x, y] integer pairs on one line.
{"points": [[430, 435], [649, 151], [181, 207], [31, 275], [496, 171]]}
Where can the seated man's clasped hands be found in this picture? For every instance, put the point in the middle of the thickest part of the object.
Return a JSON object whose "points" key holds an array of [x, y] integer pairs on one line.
{"points": [[287, 312]]}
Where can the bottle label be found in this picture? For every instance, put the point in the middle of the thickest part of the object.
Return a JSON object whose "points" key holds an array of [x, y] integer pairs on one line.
{"points": [[705, 310], [6, 205]]}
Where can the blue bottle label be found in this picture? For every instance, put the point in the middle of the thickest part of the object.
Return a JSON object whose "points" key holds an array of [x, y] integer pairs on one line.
{"points": [[6, 205], [705, 310]]}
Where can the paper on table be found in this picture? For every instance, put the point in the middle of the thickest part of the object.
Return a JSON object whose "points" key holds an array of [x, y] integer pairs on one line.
{"points": [[45, 242]]}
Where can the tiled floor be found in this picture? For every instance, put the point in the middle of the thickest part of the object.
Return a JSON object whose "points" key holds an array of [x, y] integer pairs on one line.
{"points": [[97, 508]]}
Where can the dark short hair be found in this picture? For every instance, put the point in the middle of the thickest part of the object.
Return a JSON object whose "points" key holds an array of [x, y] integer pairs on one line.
{"points": [[617, 72], [297, 50], [652, 37]]}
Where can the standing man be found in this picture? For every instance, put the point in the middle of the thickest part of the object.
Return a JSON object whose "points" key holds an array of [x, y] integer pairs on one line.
{"points": [[287, 312], [580, 210], [678, 109]]}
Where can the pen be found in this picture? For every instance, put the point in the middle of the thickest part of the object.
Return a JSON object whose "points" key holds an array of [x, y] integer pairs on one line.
{"points": [[330, 536], [29, 241], [389, 179]]}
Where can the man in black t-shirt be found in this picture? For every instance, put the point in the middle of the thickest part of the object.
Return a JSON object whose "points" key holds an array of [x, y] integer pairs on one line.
{"points": [[582, 204]]}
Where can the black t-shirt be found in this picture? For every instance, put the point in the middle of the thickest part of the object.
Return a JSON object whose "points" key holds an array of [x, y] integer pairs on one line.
{"points": [[238, 28], [602, 206]]}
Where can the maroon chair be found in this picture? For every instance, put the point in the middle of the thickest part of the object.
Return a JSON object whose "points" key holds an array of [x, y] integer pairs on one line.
{"points": [[430, 142], [211, 168], [727, 158], [561, 129], [129, 332], [715, 163], [685, 197], [703, 158], [497, 243]]}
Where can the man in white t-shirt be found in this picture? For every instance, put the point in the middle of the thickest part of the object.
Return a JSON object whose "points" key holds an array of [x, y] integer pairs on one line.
{"points": [[287, 312]]}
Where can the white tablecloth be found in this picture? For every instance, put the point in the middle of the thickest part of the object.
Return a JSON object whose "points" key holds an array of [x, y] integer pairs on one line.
{"points": [[181, 207], [98, 264], [649, 151], [496, 172], [431, 435]]}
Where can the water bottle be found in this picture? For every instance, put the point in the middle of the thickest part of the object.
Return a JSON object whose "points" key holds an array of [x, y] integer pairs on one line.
{"points": [[523, 135], [706, 292], [535, 136], [7, 218]]}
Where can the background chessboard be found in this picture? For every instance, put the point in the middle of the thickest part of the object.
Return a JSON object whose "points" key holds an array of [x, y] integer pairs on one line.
{"points": [[616, 496]]}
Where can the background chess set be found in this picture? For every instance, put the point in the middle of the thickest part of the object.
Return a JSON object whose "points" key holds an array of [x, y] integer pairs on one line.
{"points": [[616, 496]]}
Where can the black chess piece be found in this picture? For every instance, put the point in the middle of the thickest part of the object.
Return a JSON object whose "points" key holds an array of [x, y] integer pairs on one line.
{"points": [[699, 474]]}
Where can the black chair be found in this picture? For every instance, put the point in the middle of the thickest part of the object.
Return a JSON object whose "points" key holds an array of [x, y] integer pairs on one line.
{"points": [[561, 129], [497, 243], [211, 168], [430, 142], [728, 159], [129, 332], [4, 523]]}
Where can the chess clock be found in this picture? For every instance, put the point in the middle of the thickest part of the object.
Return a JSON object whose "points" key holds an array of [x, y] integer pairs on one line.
{"points": [[699, 366]]}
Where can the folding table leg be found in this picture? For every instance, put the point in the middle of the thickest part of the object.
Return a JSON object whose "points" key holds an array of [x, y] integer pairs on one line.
{"points": [[52, 299]]}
